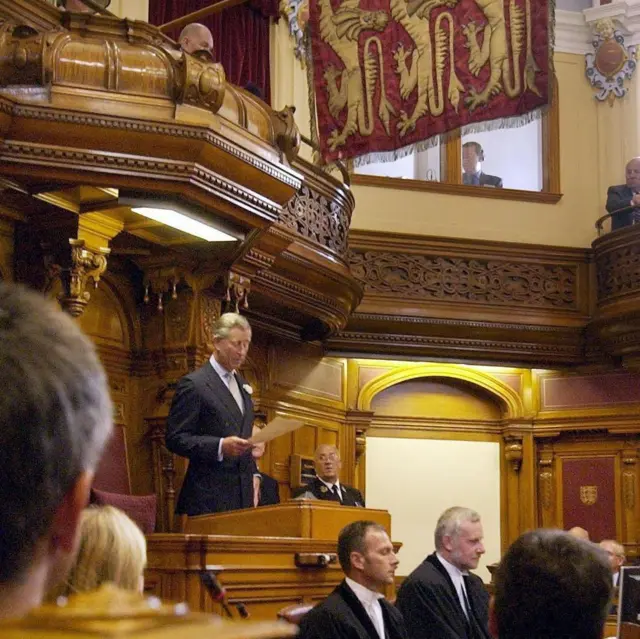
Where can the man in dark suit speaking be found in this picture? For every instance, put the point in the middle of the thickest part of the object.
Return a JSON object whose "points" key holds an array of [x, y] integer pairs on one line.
{"points": [[356, 609], [210, 424], [326, 484], [624, 200], [472, 158]]}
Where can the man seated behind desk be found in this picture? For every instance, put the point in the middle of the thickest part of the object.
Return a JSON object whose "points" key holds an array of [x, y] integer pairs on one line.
{"points": [[356, 609], [472, 158], [440, 599], [623, 201], [326, 484]]}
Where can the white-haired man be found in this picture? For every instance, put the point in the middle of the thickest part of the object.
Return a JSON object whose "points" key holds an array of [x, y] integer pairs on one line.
{"points": [[440, 599], [210, 423]]}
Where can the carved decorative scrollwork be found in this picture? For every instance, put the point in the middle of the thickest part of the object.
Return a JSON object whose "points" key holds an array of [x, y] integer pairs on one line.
{"points": [[513, 451], [629, 481], [237, 292], [545, 477], [315, 217], [85, 265], [618, 271], [361, 442], [442, 277]]}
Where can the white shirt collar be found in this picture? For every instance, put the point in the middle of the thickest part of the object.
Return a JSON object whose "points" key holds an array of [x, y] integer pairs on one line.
{"points": [[219, 368], [365, 596], [328, 485]]}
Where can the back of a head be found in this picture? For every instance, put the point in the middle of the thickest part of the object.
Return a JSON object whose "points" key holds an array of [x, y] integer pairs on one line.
{"points": [[55, 418], [550, 585], [111, 549]]}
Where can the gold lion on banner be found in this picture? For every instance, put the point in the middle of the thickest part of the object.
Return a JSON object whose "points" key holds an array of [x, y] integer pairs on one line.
{"points": [[501, 49], [588, 495]]}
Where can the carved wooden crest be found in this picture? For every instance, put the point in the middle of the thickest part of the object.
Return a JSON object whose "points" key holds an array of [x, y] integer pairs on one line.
{"points": [[588, 495]]}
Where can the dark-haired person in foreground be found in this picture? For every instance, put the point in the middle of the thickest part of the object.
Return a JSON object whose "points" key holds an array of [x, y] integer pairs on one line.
{"points": [[55, 418], [550, 585], [356, 609]]}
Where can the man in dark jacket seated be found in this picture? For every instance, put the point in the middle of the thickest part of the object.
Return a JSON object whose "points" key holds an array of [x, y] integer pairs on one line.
{"points": [[624, 200], [440, 599], [326, 484], [356, 609]]}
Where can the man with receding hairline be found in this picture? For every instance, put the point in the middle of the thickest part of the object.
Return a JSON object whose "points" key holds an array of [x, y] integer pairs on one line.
{"points": [[210, 423], [196, 37], [326, 484], [623, 201], [441, 599], [55, 419], [615, 553], [356, 609]]}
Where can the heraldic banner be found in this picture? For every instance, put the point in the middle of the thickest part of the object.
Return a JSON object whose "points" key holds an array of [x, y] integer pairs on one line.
{"points": [[390, 74]]}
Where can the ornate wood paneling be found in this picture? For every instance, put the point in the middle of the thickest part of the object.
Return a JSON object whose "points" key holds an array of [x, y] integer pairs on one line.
{"points": [[454, 298]]}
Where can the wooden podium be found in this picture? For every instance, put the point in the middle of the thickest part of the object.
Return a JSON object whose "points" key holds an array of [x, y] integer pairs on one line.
{"points": [[309, 519], [255, 554]]}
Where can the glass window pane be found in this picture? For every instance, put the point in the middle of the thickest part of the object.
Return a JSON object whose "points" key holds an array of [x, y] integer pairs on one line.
{"points": [[416, 166], [514, 155]]}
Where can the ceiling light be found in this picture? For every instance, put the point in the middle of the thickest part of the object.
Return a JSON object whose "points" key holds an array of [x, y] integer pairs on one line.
{"points": [[183, 223]]}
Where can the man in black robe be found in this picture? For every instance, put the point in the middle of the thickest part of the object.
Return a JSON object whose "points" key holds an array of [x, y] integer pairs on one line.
{"points": [[440, 599], [356, 609], [326, 484], [550, 584]]}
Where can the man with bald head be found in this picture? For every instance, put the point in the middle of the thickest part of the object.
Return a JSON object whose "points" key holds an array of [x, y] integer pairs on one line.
{"points": [[623, 201], [616, 556], [326, 484], [196, 37]]}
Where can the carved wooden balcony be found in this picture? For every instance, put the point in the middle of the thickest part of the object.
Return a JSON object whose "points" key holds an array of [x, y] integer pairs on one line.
{"points": [[97, 111], [616, 321]]}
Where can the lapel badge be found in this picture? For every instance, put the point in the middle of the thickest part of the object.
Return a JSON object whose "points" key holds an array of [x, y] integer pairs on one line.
{"points": [[323, 489]]}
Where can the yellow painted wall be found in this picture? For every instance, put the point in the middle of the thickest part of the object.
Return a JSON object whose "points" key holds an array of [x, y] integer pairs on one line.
{"points": [[133, 9], [596, 141], [417, 479]]}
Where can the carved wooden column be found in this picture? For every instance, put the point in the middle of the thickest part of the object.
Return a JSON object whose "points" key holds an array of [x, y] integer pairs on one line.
{"points": [[519, 481], [546, 489], [355, 443], [630, 508]]}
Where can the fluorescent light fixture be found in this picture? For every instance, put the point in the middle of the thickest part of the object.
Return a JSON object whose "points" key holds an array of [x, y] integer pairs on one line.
{"points": [[183, 223]]}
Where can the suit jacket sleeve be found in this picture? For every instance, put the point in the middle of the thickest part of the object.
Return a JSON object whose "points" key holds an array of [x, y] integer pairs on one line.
{"points": [[617, 198], [321, 623], [499, 183], [428, 613], [183, 435]]}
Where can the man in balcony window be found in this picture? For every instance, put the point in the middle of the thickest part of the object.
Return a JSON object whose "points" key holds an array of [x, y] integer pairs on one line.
{"points": [[472, 159], [623, 201]]}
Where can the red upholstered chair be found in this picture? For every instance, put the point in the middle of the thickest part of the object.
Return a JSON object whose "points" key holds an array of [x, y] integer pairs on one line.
{"points": [[294, 613], [112, 486]]}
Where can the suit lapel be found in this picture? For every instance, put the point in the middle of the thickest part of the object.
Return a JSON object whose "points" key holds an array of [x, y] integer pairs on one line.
{"points": [[432, 559], [358, 610], [223, 394]]}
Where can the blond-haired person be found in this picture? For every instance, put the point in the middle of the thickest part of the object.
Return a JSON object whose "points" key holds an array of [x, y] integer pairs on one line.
{"points": [[111, 549]]}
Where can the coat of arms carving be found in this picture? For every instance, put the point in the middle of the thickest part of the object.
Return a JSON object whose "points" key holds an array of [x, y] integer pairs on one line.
{"points": [[588, 495]]}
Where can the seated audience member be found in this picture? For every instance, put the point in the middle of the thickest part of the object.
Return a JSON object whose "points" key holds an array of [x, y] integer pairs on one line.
{"points": [[623, 201], [440, 599], [111, 549], [550, 585], [55, 418], [579, 533], [356, 609], [265, 487], [196, 37], [472, 158], [326, 484], [615, 553]]}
